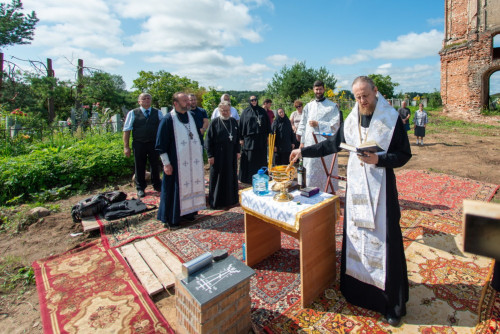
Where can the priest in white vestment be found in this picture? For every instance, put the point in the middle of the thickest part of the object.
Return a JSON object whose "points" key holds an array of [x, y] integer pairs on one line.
{"points": [[181, 152], [373, 270], [319, 116]]}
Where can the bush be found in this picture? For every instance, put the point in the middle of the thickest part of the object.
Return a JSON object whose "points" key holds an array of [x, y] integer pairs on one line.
{"points": [[79, 165]]}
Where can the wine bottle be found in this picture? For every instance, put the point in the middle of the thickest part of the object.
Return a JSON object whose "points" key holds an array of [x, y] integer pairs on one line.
{"points": [[301, 175]]}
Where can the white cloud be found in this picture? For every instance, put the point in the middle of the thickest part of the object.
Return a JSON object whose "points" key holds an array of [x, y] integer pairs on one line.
{"points": [[417, 78], [438, 21], [172, 26], [410, 46], [241, 75], [350, 60], [200, 58], [89, 24], [280, 60], [384, 69]]}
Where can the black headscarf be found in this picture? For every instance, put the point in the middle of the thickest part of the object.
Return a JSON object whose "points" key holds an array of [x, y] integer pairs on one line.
{"points": [[256, 105]]}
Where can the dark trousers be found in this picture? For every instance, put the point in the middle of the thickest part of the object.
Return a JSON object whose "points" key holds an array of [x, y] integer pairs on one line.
{"points": [[142, 153]]}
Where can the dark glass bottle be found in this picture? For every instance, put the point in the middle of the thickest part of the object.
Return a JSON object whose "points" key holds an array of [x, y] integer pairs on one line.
{"points": [[301, 175]]}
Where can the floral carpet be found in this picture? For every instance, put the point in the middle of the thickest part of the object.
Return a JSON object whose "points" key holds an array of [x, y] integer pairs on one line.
{"points": [[438, 193], [276, 284], [449, 290], [90, 289]]}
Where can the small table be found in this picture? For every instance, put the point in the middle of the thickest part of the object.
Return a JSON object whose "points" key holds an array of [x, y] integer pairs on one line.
{"points": [[312, 222]]}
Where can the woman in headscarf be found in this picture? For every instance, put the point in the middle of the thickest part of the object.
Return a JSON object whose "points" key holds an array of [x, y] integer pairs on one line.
{"points": [[253, 130], [284, 143]]}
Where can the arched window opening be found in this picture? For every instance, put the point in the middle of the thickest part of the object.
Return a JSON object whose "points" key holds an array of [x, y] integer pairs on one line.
{"points": [[494, 101], [496, 46]]}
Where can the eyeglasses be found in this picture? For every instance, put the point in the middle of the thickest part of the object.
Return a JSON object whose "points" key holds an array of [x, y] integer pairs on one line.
{"points": [[253, 100]]}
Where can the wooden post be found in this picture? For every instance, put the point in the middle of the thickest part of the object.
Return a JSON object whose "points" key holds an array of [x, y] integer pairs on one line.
{"points": [[50, 102], [79, 83], [1, 72]]}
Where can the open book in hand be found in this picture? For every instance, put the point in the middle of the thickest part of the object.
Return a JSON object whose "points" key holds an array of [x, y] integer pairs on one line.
{"points": [[369, 146]]}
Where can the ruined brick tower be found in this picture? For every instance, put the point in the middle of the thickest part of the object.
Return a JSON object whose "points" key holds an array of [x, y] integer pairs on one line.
{"points": [[468, 57]]}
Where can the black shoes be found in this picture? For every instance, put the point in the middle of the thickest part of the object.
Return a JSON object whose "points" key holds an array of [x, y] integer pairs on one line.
{"points": [[393, 320], [140, 193], [190, 217], [172, 227]]}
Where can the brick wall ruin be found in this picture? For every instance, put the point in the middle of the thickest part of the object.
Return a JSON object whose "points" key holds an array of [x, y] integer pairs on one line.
{"points": [[468, 57]]}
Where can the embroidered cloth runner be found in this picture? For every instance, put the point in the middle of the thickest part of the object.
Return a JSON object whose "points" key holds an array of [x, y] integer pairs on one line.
{"points": [[285, 214]]}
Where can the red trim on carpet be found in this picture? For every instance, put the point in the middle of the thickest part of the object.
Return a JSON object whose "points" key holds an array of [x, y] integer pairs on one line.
{"points": [[43, 283]]}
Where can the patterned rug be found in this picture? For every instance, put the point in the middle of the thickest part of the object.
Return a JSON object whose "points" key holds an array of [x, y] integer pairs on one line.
{"points": [[90, 289], [276, 284], [440, 194], [445, 290]]}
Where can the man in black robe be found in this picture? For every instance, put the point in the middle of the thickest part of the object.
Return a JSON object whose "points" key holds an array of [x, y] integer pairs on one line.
{"points": [[254, 130], [285, 138], [390, 300], [223, 149], [183, 191]]}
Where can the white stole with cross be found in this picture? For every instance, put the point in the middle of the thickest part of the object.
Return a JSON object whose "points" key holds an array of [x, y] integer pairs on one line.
{"points": [[189, 166], [366, 197]]}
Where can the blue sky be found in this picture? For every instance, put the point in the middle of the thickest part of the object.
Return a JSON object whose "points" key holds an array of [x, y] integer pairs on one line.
{"points": [[240, 44]]}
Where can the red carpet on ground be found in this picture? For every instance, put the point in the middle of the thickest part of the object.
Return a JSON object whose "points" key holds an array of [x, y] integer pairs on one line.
{"points": [[446, 285], [91, 290], [440, 194]]}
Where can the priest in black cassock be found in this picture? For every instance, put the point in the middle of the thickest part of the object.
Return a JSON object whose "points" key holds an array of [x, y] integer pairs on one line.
{"points": [[373, 271], [222, 144], [254, 130], [181, 152], [285, 138]]}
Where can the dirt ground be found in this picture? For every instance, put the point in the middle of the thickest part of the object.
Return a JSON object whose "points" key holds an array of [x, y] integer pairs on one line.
{"points": [[475, 157]]}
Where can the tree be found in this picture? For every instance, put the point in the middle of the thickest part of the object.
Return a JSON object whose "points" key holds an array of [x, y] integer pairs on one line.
{"points": [[384, 84], [107, 89], [211, 100], [162, 86], [15, 27], [291, 82]]}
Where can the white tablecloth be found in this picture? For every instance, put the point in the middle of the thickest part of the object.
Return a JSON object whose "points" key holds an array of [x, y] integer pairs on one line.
{"points": [[287, 213]]}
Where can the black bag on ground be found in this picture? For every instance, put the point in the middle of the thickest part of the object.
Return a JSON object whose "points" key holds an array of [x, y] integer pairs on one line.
{"points": [[95, 204], [126, 208]]}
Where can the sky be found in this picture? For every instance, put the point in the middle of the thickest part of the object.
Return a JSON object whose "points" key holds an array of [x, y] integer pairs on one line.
{"points": [[240, 44]]}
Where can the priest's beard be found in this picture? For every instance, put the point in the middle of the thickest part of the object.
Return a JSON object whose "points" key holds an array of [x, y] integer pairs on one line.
{"points": [[369, 109], [224, 118]]}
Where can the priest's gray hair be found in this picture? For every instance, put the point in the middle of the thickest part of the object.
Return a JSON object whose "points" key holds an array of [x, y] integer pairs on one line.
{"points": [[225, 103], [364, 78], [224, 95]]}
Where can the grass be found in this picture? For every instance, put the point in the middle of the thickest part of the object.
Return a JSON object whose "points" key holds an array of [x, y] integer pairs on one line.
{"points": [[14, 274], [439, 123]]}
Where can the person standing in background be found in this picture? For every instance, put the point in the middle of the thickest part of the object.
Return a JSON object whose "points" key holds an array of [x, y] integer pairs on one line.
{"points": [[143, 122], [284, 141], [405, 114], [222, 144], [267, 107], [295, 118], [319, 116], [200, 115], [254, 129], [420, 120], [234, 113]]}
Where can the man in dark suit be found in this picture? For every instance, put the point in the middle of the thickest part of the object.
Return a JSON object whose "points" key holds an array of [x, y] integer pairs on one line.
{"points": [[143, 123]]}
